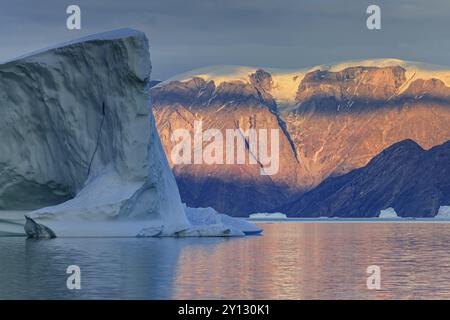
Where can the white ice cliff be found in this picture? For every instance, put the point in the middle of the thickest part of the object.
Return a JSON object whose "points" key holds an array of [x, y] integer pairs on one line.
{"points": [[77, 136]]}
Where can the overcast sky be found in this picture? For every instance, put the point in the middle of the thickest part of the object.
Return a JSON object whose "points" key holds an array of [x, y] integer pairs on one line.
{"points": [[187, 34]]}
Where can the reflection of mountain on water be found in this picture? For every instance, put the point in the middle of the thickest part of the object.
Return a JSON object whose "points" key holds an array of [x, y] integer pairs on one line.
{"points": [[291, 261], [111, 268]]}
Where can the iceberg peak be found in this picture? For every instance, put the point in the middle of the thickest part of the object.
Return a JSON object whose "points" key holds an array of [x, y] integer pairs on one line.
{"points": [[102, 36]]}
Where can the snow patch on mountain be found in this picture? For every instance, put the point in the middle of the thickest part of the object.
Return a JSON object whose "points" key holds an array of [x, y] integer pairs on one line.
{"points": [[286, 81]]}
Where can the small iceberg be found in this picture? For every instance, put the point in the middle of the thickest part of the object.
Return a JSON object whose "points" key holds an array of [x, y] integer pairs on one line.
{"points": [[388, 213], [208, 217], [268, 216], [443, 213]]}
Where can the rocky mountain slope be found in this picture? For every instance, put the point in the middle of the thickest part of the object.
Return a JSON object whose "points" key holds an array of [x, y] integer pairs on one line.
{"points": [[413, 181], [331, 119], [231, 105]]}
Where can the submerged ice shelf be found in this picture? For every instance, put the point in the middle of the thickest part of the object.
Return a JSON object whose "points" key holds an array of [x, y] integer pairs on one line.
{"points": [[203, 221], [78, 139]]}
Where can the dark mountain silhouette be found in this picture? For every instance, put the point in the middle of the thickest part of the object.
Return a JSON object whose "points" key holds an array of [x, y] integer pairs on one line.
{"points": [[405, 177]]}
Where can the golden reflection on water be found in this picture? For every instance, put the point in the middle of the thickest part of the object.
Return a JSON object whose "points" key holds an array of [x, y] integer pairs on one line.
{"points": [[319, 261]]}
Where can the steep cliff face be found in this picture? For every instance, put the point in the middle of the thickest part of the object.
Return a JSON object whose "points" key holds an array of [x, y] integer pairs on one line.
{"points": [[332, 120], [232, 188], [353, 84], [415, 182], [341, 124], [75, 120]]}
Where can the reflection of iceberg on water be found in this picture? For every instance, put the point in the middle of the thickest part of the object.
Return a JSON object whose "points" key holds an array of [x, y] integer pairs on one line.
{"points": [[388, 213], [77, 124], [268, 216]]}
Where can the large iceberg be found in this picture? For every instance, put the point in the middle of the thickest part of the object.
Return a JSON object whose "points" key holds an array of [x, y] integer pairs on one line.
{"points": [[77, 137]]}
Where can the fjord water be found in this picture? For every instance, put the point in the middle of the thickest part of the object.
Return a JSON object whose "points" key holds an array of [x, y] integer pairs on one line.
{"points": [[290, 261]]}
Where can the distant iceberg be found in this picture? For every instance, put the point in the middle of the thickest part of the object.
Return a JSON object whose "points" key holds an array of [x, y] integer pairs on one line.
{"points": [[266, 215], [443, 213], [388, 213]]}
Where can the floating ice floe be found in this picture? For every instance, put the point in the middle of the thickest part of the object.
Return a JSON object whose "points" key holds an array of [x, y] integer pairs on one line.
{"points": [[209, 217], [265, 215]]}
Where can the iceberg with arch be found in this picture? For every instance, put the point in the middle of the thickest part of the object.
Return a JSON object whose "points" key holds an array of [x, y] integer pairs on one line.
{"points": [[388, 213], [78, 140]]}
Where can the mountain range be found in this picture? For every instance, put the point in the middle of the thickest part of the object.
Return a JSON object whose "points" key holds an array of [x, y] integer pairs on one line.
{"points": [[332, 119]]}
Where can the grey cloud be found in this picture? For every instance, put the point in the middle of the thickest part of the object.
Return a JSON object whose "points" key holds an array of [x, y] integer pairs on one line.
{"points": [[186, 34]]}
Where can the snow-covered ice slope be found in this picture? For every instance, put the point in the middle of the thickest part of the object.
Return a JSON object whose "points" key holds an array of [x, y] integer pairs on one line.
{"points": [[75, 120]]}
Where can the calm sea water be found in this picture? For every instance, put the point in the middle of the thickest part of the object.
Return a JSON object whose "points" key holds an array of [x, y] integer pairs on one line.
{"points": [[290, 261]]}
